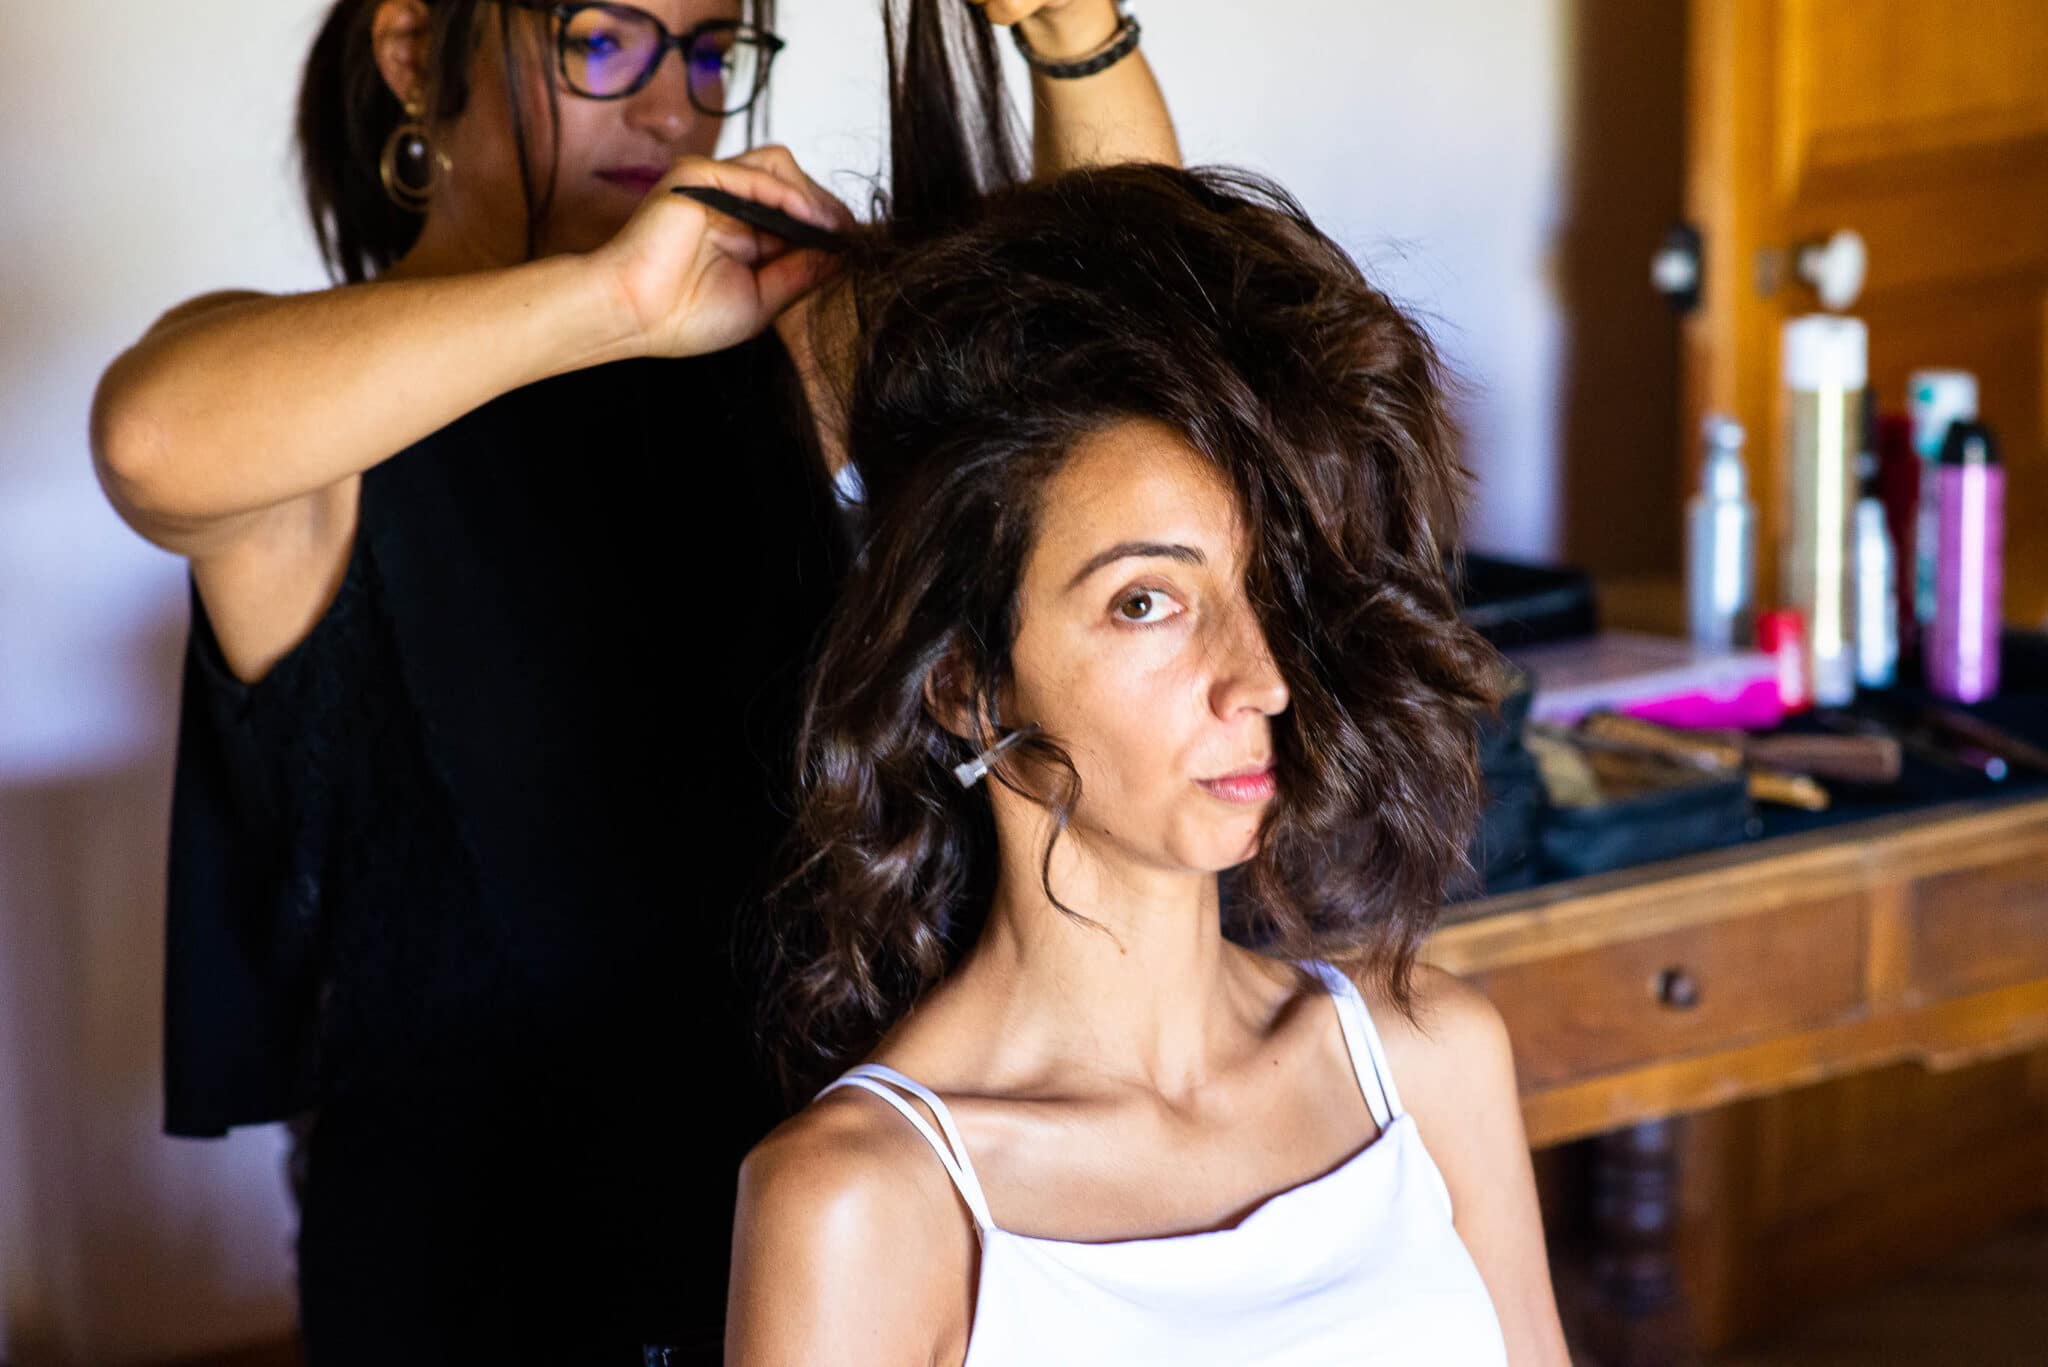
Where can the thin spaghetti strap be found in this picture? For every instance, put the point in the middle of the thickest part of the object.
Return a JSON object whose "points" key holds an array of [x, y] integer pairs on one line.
{"points": [[883, 1082], [1362, 1041]]}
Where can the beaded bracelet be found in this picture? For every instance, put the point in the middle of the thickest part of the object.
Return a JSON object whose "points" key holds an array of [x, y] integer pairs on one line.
{"points": [[1121, 45]]}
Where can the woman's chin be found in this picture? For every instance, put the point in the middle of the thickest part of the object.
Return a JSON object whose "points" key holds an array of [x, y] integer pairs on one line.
{"points": [[1223, 855]]}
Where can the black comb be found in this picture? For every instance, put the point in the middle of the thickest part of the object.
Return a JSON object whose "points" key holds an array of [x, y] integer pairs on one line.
{"points": [[755, 214]]}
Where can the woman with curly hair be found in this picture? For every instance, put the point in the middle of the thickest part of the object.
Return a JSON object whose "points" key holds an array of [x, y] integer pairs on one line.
{"points": [[1138, 754]]}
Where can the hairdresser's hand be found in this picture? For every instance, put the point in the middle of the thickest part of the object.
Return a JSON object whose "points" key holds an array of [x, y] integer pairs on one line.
{"points": [[1058, 30], [691, 280]]}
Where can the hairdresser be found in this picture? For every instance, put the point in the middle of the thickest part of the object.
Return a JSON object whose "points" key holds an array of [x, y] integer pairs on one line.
{"points": [[506, 557]]}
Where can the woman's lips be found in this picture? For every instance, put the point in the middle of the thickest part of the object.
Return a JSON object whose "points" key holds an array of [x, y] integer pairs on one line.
{"points": [[1252, 787], [638, 179]]}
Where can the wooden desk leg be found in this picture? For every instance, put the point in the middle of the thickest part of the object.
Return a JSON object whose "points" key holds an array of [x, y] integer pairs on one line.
{"points": [[1639, 1316]]}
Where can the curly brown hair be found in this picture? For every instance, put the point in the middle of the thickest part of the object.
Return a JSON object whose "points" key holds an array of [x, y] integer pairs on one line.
{"points": [[999, 325], [1207, 301]]}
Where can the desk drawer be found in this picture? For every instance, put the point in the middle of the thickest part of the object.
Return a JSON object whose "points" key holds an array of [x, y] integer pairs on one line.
{"points": [[1979, 928], [1680, 993]]}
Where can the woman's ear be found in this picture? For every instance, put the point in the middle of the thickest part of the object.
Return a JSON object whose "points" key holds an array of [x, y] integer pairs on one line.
{"points": [[401, 35], [950, 702]]}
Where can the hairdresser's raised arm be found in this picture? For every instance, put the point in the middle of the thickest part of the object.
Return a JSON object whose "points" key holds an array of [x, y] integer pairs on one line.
{"points": [[1115, 115], [237, 405], [238, 402]]}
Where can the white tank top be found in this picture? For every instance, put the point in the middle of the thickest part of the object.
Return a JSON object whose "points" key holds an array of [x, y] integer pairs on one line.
{"points": [[1359, 1265]]}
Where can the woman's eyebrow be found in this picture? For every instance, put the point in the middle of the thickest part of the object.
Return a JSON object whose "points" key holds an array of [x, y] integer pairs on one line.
{"points": [[1127, 550]]}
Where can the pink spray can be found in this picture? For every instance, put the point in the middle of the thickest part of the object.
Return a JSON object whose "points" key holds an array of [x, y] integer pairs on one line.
{"points": [[1962, 640]]}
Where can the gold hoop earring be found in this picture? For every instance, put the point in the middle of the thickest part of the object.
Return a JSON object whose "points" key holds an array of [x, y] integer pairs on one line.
{"points": [[411, 166]]}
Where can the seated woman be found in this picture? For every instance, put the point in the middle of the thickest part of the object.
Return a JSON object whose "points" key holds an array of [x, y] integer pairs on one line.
{"points": [[1136, 759]]}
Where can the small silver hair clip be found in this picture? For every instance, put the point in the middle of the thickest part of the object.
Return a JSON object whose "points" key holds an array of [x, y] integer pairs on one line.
{"points": [[974, 770]]}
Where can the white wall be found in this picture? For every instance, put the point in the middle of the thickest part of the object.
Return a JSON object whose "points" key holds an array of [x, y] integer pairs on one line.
{"points": [[142, 160], [1426, 137]]}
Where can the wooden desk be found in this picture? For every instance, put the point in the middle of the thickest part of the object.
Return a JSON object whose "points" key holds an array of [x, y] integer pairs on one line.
{"points": [[1637, 996]]}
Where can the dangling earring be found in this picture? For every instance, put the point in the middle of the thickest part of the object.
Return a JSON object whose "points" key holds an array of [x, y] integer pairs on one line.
{"points": [[411, 165]]}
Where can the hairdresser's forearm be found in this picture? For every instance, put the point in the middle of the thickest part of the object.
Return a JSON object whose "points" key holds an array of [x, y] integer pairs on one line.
{"points": [[228, 408], [1118, 114]]}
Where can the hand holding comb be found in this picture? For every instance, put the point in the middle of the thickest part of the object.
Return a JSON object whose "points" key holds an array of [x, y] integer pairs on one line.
{"points": [[763, 218]]}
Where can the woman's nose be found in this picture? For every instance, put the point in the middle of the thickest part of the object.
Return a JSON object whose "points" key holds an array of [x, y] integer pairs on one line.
{"points": [[1247, 677], [662, 108]]}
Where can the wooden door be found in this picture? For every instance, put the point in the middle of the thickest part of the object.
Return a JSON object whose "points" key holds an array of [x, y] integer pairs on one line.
{"points": [[1923, 125]]}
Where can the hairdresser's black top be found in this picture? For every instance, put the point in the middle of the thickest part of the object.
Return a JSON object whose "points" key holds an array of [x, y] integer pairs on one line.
{"points": [[461, 871]]}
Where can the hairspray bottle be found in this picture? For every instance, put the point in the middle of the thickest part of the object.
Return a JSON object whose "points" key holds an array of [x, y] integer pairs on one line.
{"points": [[1720, 543], [1962, 641], [1825, 365], [1935, 399]]}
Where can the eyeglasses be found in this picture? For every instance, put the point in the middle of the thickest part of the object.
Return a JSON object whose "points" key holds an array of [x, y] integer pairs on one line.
{"points": [[607, 52]]}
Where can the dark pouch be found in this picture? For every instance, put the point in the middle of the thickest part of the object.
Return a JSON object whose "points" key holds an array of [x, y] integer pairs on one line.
{"points": [[1611, 811]]}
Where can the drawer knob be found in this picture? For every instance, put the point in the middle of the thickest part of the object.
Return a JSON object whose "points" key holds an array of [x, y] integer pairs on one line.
{"points": [[1678, 989]]}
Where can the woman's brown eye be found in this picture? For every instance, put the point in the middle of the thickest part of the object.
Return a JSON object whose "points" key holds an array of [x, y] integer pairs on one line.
{"points": [[1147, 607]]}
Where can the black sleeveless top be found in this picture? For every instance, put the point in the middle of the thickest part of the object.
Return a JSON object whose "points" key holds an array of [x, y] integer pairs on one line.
{"points": [[461, 873]]}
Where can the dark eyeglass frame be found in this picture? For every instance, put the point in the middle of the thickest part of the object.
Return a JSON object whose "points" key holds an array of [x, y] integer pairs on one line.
{"points": [[680, 43]]}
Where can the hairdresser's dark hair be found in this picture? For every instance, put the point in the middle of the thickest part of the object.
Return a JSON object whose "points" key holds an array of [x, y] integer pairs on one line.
{"points": [[347, 112], [1207, 301]]}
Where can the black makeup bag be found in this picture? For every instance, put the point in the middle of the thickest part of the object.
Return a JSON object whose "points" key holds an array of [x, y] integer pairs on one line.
{"points": [[1610, 811]]}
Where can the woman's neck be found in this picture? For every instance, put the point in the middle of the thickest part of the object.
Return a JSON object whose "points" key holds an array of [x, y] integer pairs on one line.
{"points": [[1146, 996], [447, 246]]}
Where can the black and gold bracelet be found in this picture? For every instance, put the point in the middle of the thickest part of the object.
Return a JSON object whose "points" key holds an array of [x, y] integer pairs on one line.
{"points": [[1121, 44]]}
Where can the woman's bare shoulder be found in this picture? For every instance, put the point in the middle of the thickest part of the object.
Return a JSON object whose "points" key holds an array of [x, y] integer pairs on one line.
{"points": [[821, 1200], [1455, 1034], [848, 1153]]}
